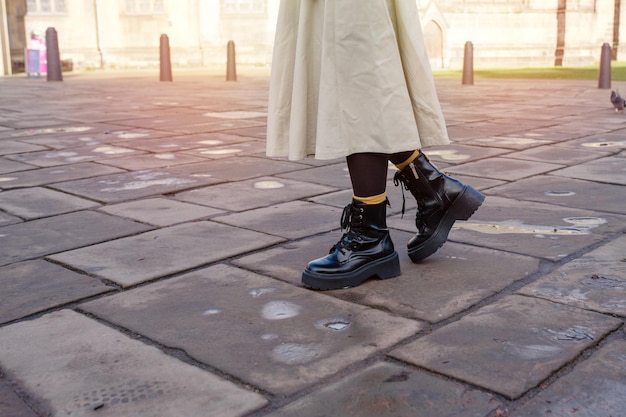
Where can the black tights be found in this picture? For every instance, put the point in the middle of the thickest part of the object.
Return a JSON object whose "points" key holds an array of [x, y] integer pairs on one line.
{"points": [[368, 171]]}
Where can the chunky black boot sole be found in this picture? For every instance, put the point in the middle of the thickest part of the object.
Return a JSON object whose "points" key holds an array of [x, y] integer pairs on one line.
{"points": [[462, 208], [384, 268]]}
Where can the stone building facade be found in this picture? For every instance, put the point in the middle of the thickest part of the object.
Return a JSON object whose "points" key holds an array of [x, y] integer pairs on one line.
{"points": [[126, 33]]}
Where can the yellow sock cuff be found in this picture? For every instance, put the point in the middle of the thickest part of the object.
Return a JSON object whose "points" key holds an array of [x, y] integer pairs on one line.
{"points": [[408, 161], [375, 199]]}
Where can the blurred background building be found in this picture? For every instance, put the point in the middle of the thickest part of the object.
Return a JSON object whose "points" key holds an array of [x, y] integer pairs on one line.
{"points": [[102, 34]]}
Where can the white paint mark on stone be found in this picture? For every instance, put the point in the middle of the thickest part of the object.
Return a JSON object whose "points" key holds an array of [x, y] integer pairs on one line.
{"points": [[607, 144], [112, 150], [559, 193], [138, 185], [61, 154], [236, 114], [509, 141], [533, 352], [582, 226], [589, 222], [33, 132], [268, 185], [336, 324], [259, 292], [220, 151], [7, 179], [295, 354], [131, 135], [280, 310], [269, 336], [211, 312]]}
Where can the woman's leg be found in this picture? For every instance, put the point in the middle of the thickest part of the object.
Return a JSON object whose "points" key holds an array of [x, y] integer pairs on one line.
{"points": [[368, 174], [366, 249]]}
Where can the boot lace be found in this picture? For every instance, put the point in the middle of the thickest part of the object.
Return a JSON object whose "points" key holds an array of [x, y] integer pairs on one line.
{"points": [[351, 222], [403, 183]]}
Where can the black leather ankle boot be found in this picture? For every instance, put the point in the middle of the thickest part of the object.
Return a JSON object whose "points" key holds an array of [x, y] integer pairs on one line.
{"points": [[441, 200], [364, 251]]}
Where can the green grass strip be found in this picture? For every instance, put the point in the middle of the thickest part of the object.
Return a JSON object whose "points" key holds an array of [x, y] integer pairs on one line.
{"points": [[592, 72]]}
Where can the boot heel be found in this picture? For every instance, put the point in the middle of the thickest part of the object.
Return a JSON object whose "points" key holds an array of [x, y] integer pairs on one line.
{"points": [[390, 268], [467, 203]]}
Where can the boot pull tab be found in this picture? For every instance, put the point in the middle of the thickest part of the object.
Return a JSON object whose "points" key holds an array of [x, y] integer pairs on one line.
{"points": [[412, 165]]}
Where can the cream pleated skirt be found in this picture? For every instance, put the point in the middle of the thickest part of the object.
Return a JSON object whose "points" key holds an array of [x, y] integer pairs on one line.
{"points": [[351, 76]]}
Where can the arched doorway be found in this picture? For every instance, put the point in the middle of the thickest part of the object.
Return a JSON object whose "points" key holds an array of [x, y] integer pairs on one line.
{"points": [[433, 38]]}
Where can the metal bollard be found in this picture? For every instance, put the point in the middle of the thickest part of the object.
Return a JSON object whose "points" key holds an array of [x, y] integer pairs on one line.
{"points": [[468, 64], [604, 80], [231, 65], [54, 56], [166, 63]]}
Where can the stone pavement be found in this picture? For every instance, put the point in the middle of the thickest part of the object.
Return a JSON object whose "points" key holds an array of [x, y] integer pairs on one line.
{"points": [[150, 259]]}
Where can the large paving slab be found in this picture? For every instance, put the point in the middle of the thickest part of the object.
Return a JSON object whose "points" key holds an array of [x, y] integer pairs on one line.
{"points": [[6, 219], [32, 203], [450, 281], [291, 220], [132, 185], [557, 155], [226, 151], [595, 281], [503, 168], [179, 143], [510, 142], [237, 169], [263, 331], [459, 153], [150, 161], [609, 143], [158, 253], [160, 211], [611, 170], [595, 388], [41, 237], [101, 137], [252, 194], [567, 192], [13, 146], [7, 166], [389, 390], [43, 176], [72, 156], [34, 286], [74, 366], [536, 229], [510, 346], [455, 278]]}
